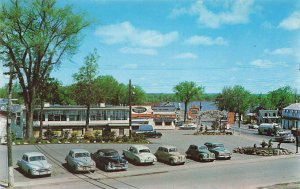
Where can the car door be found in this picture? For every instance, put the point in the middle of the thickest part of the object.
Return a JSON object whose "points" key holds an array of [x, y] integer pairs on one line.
{"points": [[70, 158], [164, 154], [24, 162], [194, 152]]}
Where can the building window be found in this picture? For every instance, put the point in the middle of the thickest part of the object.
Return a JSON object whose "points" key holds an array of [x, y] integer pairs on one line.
{"points": [[168, 123], [158, 123], [266, 114]]}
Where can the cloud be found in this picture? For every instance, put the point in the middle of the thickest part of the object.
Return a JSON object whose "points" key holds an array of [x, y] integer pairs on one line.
{"points": [[187, 55], [144, 51], [126, 33], [267, 63], [205, 40], [233, 12], [280, 51], [262, 63], [292, 22]]}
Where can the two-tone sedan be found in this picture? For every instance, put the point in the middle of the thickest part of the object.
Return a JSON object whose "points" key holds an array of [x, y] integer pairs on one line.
{"points": [[218, 149], [109, 160], [170, 155], [35, 163], [139, 154], [200, 153], [79, 160]]}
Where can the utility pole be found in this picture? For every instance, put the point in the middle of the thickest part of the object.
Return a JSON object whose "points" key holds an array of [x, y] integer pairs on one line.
{"points": [[11, 181], [129, 102]]}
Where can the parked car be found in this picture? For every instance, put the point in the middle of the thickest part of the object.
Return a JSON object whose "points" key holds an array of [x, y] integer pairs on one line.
{"points": [[189, 126], [252, 126], [170, 155], [79, 160], [152, 134], [285, 138], [35, 163], [219, 150], [109, 160], [200, 153], [139, 154]]}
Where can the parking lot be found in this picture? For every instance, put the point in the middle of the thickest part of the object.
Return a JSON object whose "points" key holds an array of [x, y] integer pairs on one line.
{"points": [[180, 138]]}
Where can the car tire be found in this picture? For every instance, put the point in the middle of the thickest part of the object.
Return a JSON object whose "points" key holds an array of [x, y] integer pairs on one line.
{"points": [[106, 168], [171, 161]]}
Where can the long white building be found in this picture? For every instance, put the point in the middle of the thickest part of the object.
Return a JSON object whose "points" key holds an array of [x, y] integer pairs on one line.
{"points": [[291, 116]]}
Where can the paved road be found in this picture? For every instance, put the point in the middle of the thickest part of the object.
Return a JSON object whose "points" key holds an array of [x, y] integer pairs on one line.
{"points": [[179, 138]]}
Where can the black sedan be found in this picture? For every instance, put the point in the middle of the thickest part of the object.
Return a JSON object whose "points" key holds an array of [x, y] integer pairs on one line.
{"points": [[109, 160]]}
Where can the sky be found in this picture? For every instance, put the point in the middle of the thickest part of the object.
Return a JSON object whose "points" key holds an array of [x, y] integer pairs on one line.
{"points": [[214, 43]]}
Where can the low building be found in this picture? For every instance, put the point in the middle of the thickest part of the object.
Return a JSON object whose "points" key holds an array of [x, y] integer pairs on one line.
{"points": [[164, 116], [268, 116], [60, 118], [141, 115], [291, 116], [16, 122]]}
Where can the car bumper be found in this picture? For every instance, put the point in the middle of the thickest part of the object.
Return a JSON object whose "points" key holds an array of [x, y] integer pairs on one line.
{"points": [[41, 172], [223, 156], [208, 159], [148, 161], [116, 168], [86, 168]]}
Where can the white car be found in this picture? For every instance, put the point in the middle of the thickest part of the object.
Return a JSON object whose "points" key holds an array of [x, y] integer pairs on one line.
{"points": [[189, 126], [35, 163], [80, 160], [139, 154]]}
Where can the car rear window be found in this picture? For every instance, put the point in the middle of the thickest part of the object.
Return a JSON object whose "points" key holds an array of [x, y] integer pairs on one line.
{"points": [[82, 154], [144, 151], [36, 158], [173, 150]]}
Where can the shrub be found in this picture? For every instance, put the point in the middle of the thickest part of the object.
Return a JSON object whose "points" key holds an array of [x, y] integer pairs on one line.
{"points": [[88, 135], [49, 134], [270, 143], [125, 138], [138, 137], [108, 135], [263, 144], [73, 137], [66, 135]]}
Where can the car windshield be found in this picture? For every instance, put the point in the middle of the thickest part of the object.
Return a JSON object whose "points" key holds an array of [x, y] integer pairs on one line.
{"points": [[111, 154], [144, 151], [173, 150], [82, 154], [202, 148], [36, 158]]}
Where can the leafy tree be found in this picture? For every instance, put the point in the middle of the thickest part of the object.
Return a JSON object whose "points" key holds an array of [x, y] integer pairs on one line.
{"points": [[85, 86], [67, 95], [281, 97], [234, 99], [186, 92], [107, 89], [138, 96], [34, 37]]}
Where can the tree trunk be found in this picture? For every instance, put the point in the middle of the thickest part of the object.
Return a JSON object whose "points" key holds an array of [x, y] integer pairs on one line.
{"points": [[185, 110], [29, 112], [29, 120], [41, 119], [87, 120]]}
